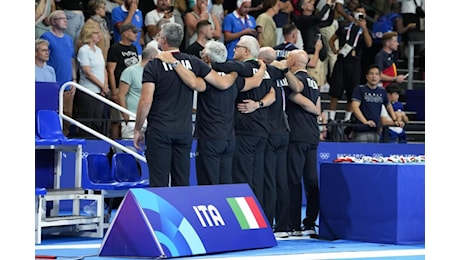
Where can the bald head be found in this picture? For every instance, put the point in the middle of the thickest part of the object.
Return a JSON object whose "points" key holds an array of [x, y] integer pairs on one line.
{"points": [[267, 54], [300, 57]]}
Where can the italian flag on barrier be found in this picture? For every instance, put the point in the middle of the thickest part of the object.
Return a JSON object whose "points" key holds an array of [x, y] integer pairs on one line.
{"points": [[247, 212]]}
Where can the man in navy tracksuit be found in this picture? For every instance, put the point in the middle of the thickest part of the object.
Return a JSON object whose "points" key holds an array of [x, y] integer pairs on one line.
{"points": [[303, 110], [251, 117], [214, 129], [276, 191]]}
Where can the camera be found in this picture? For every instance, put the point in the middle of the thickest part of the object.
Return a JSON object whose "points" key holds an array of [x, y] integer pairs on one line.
{"points": [[359, 16]]}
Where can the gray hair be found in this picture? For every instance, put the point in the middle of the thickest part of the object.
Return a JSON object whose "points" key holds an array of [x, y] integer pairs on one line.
{"points": [[149, 51], [251, 43], [39, 42], [173, 34], [54, 14], [216, 51]]}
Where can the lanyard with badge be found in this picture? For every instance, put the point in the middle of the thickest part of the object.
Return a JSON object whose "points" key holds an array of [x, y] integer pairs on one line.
{"points": [[345, 50]]}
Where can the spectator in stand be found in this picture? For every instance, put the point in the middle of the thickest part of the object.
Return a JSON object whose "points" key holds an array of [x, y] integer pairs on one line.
{"points": [[387, 22], [43, 72], [291, 37], [181, 6], [353, 38], [297, 9], [96, 9], [162, 11], [265, 20], [290, 34], [326, 34], [75, 17], [386, 59], [146, 6], [229, 6], [237, 24], [93, 76], [43, 9], [397, 25], [154, 41], [109, 6], [382, 5], [198, 13], [282, 18], [129, 90], [62, 59], [409, 15], [122, 54], [204, 32], [128, 14], [218, 10], [367, 101], [169, 137], [309, 23], [257, 7], [345, 12], [396, 134]]}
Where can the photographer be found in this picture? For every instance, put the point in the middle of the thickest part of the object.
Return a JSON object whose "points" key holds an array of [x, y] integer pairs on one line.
{"points": [[354, 38]]}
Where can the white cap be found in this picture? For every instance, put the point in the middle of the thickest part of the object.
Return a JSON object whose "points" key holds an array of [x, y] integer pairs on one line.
{"points": [[240, 2]]}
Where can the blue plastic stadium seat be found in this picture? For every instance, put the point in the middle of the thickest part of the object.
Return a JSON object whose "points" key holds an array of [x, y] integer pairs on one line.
{"points": [[49, 127], [40, 191], [97, 175], [41, 141], [125, 169]]}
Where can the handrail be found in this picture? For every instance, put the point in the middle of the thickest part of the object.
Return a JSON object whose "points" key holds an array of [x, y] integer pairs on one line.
{"points": [[410, 80], [89, 130]]}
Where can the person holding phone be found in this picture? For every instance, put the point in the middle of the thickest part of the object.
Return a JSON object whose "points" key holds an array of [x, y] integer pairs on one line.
{"points": [[354, 38], [386, 59], [165, 10], [309, 24]]}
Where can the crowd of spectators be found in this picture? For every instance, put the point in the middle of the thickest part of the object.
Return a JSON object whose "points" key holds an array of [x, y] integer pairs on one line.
{"points": [[318, 25]]}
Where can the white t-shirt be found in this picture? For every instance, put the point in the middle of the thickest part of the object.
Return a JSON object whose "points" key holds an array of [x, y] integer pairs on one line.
{"points": [[322, 3], [408, 6], [384, 113], [95, 60]]}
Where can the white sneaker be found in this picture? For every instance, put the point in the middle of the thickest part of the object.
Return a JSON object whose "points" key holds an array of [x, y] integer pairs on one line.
{"points": [[325, 88], [296, 233], [281, 234]]}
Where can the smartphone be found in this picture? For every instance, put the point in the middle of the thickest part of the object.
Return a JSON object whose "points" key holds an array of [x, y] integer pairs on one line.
{"points": [[171, 9], [318, 36], [407, 75]]}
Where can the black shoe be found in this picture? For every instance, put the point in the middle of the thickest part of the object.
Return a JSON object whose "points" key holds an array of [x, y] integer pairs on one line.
{"points": [[309, 229]]}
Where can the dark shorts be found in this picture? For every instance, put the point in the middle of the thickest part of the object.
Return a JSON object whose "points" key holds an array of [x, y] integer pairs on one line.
{"points": [[345, 77]]}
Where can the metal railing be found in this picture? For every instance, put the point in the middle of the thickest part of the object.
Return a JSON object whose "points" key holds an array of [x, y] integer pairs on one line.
{"points": [[411, 48], [88, 129]]}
